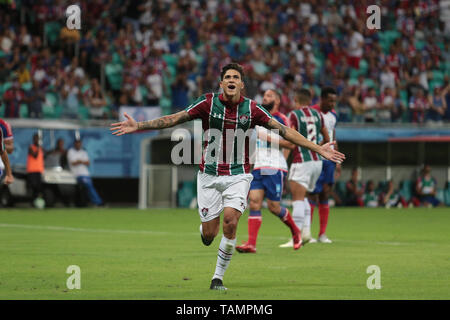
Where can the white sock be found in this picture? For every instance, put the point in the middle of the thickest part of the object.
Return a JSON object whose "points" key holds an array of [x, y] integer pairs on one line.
{"points": [[226, 249], [307, 222], [298, 213]]}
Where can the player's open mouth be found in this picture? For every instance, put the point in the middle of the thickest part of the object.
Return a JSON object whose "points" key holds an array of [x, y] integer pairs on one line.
{"points": [[231, 86]]}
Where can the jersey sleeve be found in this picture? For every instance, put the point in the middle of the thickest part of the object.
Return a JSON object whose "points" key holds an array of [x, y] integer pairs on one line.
{"points": [[322, 123], [199, 109], [6, 130], [260, 116], [1, 141], [293, 120]]}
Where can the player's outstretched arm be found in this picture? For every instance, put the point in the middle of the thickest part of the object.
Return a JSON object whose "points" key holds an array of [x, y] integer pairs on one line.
{"points": [[9, 176], [130, 125], [295, 137]]}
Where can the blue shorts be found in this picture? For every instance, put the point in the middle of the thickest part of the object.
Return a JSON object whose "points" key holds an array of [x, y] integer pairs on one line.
{"points": [[269, 180], [430, 199], [326, 176]]}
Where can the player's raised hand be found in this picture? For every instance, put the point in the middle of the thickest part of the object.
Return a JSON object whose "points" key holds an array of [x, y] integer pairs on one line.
{"points": [[329, 153], [128, 126]]}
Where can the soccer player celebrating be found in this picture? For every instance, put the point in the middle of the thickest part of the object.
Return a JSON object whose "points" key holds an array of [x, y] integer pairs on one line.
{"points": [[268, 177], [224, 177], [306, 163], [328, 97]]}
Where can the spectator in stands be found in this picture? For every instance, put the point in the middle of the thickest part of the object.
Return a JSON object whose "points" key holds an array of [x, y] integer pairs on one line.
{"points": [[71, 97], [355, 47], [387, 78], [419, 105], [95, 100], [371, 105], [35, 97], [180, 91], [154, 83], [35, 168], [370, 196], [355, 190], [399, 107], [23, 74], [391, 197], [13, 98], [438, 105], [4, 72], [426, 188], [387, 105], [57, 157], [265, 37], [78, 160]]}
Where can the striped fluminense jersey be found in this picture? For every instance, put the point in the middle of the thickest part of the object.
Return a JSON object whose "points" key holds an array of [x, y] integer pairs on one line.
{"points": [[225, 126], [308, 122]]}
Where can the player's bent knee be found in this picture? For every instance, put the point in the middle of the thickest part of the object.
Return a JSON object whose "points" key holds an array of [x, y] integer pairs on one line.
{"points": [[274, 207]]}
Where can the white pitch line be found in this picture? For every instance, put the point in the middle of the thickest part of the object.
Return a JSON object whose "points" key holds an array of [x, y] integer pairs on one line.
{"points": [[58, 228], [150, 232]]}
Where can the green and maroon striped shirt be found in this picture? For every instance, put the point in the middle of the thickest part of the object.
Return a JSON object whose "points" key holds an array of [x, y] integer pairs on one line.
{"points": [[308, 122], [225, 137]]}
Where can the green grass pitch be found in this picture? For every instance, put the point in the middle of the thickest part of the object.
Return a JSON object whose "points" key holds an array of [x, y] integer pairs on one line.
{"points": [[157, 254]]}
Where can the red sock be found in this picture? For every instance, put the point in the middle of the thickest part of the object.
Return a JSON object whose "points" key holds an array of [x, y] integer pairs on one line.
{"points": [[290, 223], [312, 205], [324, 210], [253, 227]]}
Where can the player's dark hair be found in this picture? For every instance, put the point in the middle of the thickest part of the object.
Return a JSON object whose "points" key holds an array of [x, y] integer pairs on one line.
{"points": [[326, 91], [277, 93], [304, 96], [232, 66]]}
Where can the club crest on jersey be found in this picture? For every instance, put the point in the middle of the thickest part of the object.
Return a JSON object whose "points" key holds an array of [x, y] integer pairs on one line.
{"points": [[243, 119], [205, 211]]}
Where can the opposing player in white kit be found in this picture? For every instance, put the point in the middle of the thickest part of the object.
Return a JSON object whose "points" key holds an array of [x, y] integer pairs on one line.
{"points": [[224, 178], [321, 192], [306, 164], [268, 177]]}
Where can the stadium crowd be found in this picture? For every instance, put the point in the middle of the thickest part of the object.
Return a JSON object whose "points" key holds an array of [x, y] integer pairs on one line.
{"points": [[162, 52]]}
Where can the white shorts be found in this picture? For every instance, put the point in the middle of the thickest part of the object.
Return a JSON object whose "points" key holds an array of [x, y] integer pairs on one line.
{"points": [[217, 192], [306, 173]]}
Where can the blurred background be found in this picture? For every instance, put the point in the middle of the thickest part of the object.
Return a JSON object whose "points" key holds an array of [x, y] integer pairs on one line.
{"points": [[152, 58]]}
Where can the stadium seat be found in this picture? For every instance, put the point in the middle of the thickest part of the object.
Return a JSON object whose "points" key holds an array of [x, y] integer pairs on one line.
{"points": [[438, 76], [170, 59], [370, 83], [363, 66], [51, 32], [341, 190], [6, 86], [440, 195], [447, 197], [27, 86], [420, 45], [23, 111], [406, 189], [166, 106], [113, 73], [186, 192]]}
